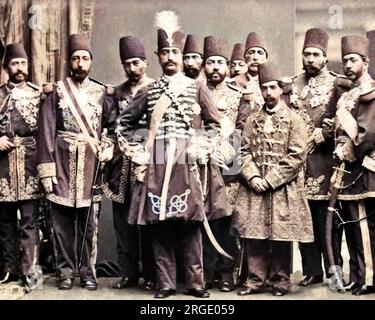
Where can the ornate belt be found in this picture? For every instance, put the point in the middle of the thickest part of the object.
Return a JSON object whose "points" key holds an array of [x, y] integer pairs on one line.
{"points": [[23, 141]]}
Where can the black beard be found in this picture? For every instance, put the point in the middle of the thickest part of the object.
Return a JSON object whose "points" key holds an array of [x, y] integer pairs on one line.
{"points": [[134, 78], [312, 71], [192, 72], [80, 75]]}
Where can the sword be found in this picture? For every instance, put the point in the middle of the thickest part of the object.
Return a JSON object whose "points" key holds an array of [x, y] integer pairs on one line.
{"points": [[206, 224], [99, 167], [336, 181]]}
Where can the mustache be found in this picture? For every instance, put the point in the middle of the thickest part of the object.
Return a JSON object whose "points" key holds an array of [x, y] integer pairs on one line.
{"points": [[21, 72], [170, 63], [133, 74], [269, 99], [310, 67]]}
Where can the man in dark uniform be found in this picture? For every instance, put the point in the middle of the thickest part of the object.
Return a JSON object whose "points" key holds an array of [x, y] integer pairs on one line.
{"points": [[71, 141], [237, 61], [19, 182], [270, 209], [226, 99], [193, 58], [118, 177], [312, 96], [355, 146], [168, 193]]}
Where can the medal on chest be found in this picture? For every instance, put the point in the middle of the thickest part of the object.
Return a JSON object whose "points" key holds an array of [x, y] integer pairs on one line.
{"points": [[268, 125]]}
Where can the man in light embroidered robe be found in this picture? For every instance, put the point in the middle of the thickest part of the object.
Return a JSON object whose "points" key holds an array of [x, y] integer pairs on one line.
{"points": [[270, 210], [71, 141]]}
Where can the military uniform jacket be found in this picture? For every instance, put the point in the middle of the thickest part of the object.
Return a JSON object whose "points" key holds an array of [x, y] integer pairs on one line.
{"points": [[19, 108], [274, 149], [314, 99], [63, 150], [117, 173], [180, 122], [227, 100], [359, 101]]}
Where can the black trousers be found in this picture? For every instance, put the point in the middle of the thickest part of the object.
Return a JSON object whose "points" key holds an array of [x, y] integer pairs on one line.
{"points": [[68, 226], [215, 265], [360, 238], [133, 245], [169, 236], [269, 262], [26, 237], [312, 253]]}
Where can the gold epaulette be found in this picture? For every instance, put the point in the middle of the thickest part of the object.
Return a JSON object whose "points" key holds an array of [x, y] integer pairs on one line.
{"points": [[343, 82], [48, 88]]}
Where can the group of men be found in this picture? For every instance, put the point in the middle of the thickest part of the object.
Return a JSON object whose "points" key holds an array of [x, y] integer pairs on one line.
{"points": [[213, 170]]}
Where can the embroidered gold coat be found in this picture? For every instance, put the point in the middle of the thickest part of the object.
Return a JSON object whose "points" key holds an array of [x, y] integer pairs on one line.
{"points": [[19, 121], [274, 149], [63, 151], [315, 99], [117, 173], [182, 119], [359, 102]]}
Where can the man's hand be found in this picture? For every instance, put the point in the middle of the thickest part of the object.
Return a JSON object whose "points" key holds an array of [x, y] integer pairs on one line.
{"points": [[141, 158], [311, 146], [48, 182], [5, 144], [327, 124], [106, 154], [218, 159], [259, 185]]}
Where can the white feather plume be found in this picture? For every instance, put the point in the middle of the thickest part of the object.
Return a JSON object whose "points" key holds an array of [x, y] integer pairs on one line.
{"points": [[168, 21]]}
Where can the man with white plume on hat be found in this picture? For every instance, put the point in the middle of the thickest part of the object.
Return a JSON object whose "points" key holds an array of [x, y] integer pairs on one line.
{"points": [[168, 194]]}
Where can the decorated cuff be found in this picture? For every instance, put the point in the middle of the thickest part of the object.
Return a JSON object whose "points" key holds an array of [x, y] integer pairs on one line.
{"points": [[250, 170], [46, 170], [274, 179]]}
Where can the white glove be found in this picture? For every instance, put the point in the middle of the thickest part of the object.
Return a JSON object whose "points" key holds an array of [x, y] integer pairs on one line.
{"points": [[48, 182], [141, 157], [106, 154]]}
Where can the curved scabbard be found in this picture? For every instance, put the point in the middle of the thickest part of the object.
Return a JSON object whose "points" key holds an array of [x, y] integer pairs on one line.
{"points": [[213, 240]]}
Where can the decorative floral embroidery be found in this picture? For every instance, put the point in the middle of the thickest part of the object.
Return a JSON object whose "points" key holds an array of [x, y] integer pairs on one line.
{"points": [[227, 102], [313, 185], [28, 107], [32, 185], [5, 192], [93, 108]]}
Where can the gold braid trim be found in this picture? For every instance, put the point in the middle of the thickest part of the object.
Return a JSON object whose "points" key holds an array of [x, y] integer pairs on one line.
{"points": [[46, 170]]}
